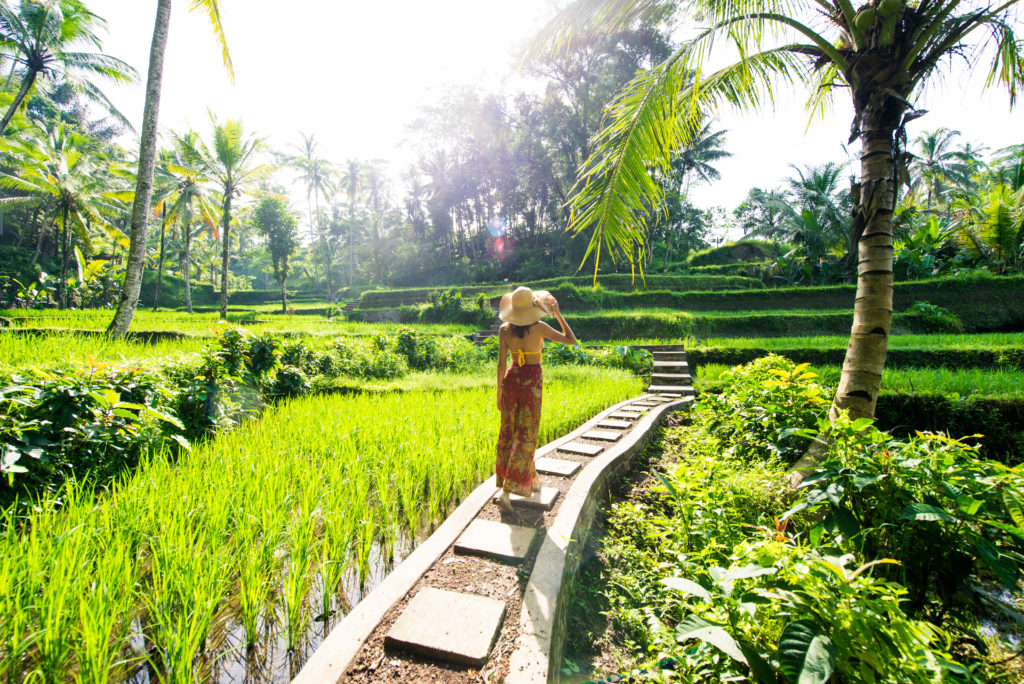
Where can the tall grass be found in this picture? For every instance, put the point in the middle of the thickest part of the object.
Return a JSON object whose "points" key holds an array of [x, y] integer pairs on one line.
{"points": [[246, 528]]}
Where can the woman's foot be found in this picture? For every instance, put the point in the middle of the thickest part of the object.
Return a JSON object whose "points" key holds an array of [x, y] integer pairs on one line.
{"points": [[504, 503], [536, 484]]}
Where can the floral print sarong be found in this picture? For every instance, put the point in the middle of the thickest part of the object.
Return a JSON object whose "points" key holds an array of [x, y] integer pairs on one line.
{"points": [[520, 422]]}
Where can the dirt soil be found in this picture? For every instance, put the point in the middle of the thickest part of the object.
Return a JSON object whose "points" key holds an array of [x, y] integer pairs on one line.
{"points": [[488, 577]]}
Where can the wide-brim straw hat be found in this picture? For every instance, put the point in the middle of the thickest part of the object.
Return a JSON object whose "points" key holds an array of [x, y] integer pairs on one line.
{"points": [[523, 306]]}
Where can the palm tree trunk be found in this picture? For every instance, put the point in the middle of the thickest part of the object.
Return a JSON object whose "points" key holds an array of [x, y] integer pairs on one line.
{"points": [[65, 248], [312, 244], [861, 379], [187, 229], [26, 85], [144, 184], [323, 247], [284, 295], [160, 266], [225, 253]]}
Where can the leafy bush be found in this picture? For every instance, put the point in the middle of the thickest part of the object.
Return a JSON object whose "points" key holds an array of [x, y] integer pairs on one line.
{"points": [[770, 409], [94, 421], [882, 574], [289, 382], [929, 503], [925, 317]]}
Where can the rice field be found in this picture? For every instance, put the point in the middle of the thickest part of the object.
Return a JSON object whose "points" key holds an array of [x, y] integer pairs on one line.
{"points": [[935, 340], [230, 564], [208, 323], [961, 382], [60, 349]]}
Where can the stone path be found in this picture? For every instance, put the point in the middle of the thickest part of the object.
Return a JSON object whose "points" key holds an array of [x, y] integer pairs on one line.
{"points": [[465, 610]]}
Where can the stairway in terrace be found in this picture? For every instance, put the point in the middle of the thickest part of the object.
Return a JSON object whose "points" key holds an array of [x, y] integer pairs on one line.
{"points": [[671, 376], [481, 336]]}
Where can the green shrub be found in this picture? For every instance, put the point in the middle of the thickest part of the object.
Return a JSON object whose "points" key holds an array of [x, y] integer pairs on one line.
{"points": [[945, 516], [289, 382], [925, 317], [733, 252]]}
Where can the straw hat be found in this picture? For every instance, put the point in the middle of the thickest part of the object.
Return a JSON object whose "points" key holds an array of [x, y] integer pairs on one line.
{"points": [[523, 306]]}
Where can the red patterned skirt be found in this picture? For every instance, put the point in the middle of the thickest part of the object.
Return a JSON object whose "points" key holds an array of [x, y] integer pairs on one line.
{"points": [[520, 422]]}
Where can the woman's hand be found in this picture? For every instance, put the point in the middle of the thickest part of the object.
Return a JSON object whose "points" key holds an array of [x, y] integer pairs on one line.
{"points": [[499, 401]]}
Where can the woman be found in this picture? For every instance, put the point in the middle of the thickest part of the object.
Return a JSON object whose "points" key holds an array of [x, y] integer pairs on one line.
{"points": [[519, 390]]}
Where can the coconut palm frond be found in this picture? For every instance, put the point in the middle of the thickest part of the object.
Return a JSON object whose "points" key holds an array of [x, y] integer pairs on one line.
{"points": [[655, 115], [211, 8], [584, 20]]}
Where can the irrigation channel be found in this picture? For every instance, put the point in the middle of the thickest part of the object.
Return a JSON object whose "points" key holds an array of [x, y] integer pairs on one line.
{"points": [[485, 597]]}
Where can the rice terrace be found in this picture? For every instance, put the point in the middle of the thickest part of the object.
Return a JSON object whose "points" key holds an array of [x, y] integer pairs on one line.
{"points": [[276, 402]]}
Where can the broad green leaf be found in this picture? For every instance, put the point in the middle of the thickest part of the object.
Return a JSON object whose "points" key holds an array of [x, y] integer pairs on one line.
{"points": [[922, 511], [968, 505], [1003, 566], [1010, 529], [844, 520], [760, 668], [862, 480], [805, 656], [686, 586], [1014, 506], [747, 572], [698, 628]]}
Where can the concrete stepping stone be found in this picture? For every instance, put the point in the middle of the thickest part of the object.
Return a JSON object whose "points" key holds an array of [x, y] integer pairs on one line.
{"points": [[556, 466], [602, 435], [491, 538], [684, 389], [544, 499], [460, 628], [581, 448], [646, 402], [676, 378], [631, 415], [672, 395], [672, 365], [615, 424]]}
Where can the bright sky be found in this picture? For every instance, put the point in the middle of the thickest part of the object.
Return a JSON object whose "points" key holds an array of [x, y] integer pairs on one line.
{"points": [[356, 73]]}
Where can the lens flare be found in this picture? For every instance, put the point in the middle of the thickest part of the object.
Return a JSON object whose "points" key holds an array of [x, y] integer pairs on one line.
{"points": [[497, 227], [499, 247]]}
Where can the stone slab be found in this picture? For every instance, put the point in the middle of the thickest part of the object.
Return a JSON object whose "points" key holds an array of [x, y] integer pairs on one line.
{"points": [[460, 628], [602, 435], [544, 499], [556, 466], [615, 424], [646, 402], [676, 378], [682, 389], [581, 448], [491, 538], [632, 415]]}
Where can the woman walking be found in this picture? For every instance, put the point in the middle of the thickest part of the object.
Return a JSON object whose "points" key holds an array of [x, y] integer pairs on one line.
{"points": [[519, 388]]}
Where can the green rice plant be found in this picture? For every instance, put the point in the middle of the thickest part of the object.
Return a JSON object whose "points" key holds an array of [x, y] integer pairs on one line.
{"points": [[247, 525], [302, 552]]}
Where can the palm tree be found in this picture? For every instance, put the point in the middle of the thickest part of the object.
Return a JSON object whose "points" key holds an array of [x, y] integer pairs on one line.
{"points": [[316, 173], [352, 183], [61, 178], [42, 36], [185, 196], [936, 163], [230, 162], [882, 54], [129, 298]]}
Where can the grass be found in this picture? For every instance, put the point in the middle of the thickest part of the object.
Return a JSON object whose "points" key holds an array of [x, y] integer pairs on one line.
{"points": [[69, 349], [1001, 383], [206, 323], [249, 528], [969, 341]]}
